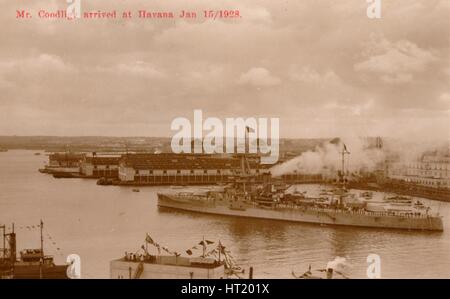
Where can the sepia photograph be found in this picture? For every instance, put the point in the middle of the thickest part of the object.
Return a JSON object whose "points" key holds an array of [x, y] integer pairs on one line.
{"points": [[225, 139]]}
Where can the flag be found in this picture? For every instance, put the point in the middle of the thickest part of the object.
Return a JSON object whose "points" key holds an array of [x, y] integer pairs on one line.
{"points": [[250, 130], [205, 242], [221, 248], [149, 240], [167, 250], [345, 149]]}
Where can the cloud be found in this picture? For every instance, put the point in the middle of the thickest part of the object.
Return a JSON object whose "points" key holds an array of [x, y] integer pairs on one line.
{"points": [[258, 77], [138, 69], [312, 63], [445, 99], [309, 75], [350, 108], [398, 61], [36, 64]]}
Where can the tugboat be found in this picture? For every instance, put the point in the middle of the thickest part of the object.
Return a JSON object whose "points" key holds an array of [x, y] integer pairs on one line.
{"points": [[246, 198], [31, 264]]}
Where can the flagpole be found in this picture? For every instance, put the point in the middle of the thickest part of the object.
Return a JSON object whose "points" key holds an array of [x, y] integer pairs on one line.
{"points": [[42, 250], [204, 247]]}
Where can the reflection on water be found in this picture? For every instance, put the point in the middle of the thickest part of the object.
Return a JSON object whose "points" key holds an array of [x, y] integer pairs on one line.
{"points": [[100, 223]]}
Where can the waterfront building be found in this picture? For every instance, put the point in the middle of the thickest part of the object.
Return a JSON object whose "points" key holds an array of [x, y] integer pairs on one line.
{"points": [[66, 160], [168, 168], [100, 167], [431, 170]]}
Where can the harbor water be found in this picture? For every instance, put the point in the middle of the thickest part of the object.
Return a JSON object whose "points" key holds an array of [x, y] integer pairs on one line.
{"points": [[100, 223]]}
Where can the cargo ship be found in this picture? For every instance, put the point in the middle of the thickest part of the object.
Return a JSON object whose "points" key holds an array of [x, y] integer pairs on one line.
{"points": [[245, 198], [31, 264]]}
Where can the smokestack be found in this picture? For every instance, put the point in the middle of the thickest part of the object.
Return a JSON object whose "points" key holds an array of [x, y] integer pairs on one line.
{"points": [[329, 273]]}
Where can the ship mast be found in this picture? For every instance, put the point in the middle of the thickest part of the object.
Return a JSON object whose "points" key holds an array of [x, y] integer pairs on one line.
{"points": [[42, 249], [343, 153], [4, 241]]}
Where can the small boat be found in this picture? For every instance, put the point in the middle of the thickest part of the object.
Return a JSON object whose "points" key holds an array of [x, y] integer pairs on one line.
{"points": [[366, 195], [136, 190], [333, 270], [43, 170], [37, 154], [397, 199], [321, 274], [104, 182]]}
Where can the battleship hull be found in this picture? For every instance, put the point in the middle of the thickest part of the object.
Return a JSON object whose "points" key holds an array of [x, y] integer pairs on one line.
{"points": [[303, 214]]}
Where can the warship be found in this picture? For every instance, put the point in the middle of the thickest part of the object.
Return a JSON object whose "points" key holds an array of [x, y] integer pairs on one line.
{"points": [[246, 198]]}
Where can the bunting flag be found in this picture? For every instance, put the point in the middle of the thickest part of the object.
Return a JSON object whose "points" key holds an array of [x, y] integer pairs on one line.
{"points": [[167, 250], [149, 240], [345, 149], [189, 252], [205, 242]]}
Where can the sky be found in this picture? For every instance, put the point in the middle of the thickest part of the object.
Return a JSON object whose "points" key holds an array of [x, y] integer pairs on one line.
{"points": [[321, 66]]}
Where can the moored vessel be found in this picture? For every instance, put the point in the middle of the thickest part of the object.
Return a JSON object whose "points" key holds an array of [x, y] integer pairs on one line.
{"points": [[31, 263], [245, 198]]}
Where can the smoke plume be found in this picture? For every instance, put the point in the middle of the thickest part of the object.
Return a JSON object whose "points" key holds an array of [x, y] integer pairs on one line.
{"points": [[326, 159], [336, 263]]}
